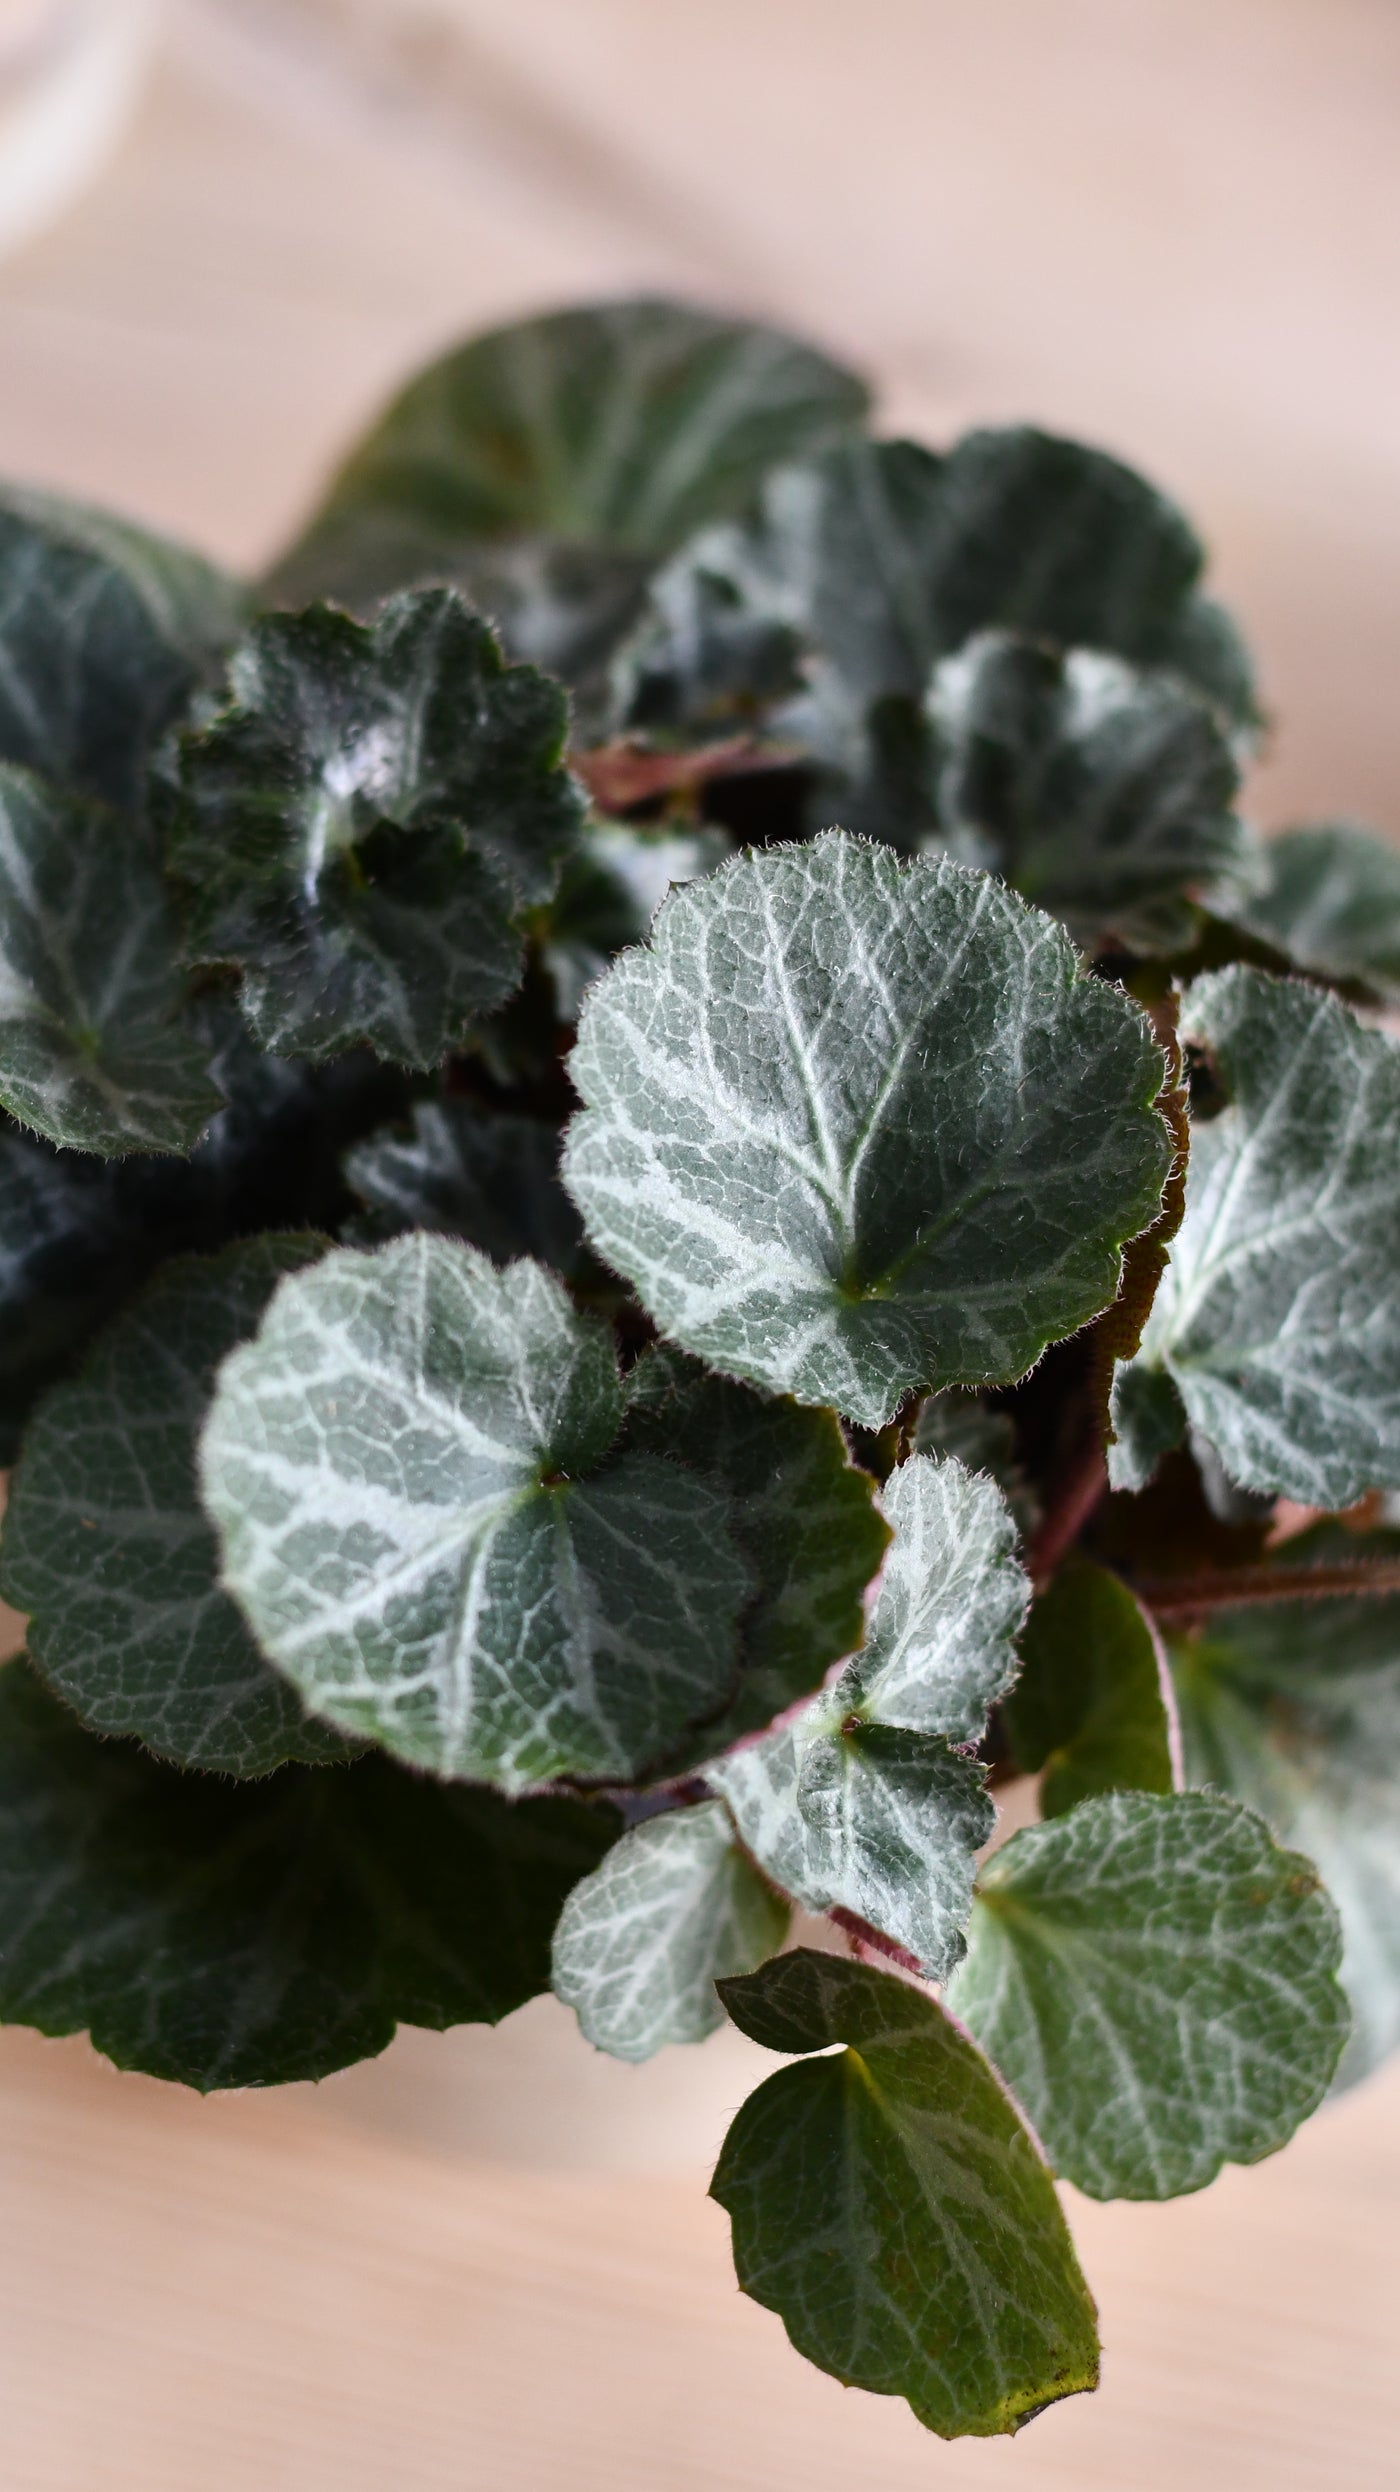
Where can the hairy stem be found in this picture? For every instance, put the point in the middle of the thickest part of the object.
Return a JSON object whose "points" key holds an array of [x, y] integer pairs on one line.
{"points": [[1077, 1492], [1226, 1587]]}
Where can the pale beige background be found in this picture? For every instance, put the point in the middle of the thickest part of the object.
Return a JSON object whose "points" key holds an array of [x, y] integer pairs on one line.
{"points": [[1173, 225]]}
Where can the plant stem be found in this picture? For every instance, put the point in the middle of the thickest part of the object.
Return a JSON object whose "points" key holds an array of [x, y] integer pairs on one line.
{"points": [[1226, 1587], [1078, 1491], [872, 1942]]}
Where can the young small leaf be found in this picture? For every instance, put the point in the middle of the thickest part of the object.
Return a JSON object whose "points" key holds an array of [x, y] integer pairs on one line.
{"points": [[592, 440], [1295, 1708], [803, 1516], [1092, 1709], [852, 1128], [356, 830], [226, 1934], [860, 1804], [408, 1469], [890, 2206], [493, 1180], [1331, 900], [104, 631], [856, 1817], [97, 1050], [1102, 793], [940, 1646], [672, 1909], [1278, 1317], [1157, 1982], [107, 1547]]}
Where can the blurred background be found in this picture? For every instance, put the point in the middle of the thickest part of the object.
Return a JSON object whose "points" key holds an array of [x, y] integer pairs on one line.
{"points": [[227, 229]]}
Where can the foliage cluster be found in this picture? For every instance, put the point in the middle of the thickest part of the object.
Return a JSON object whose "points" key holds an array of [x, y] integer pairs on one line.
{"points": [[591, 1360]]}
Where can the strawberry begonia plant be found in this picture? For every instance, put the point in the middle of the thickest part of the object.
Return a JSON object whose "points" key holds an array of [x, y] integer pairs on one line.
{"points": [[592, 1359]]}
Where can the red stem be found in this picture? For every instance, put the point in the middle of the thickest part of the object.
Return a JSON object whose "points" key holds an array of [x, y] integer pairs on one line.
{"points": [[1190, 1596], [1078, 1492], [870, 1941]]}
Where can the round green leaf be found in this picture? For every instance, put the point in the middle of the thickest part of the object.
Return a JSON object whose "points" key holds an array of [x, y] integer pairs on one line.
{"points": [[1330, 898], [107, 1547], [1102, 793], [1157, 1982], [408, 1470], [1278, 1317], [674, 1908], [229, 1934], [853, 1128], [611, 429], [890, 2206], [104, 631], [1295, 1708], [96, 1046]]}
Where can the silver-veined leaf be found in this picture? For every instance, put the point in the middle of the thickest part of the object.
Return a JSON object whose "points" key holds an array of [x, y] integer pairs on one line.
{"points": [[1294, 1707], [1157, 1982], [408, 1467], [672, 1909], [1277, 1321], [853, 1128], [104, 632], [97, 1046]]}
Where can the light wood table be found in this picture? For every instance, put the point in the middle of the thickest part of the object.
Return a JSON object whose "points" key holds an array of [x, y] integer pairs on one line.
{"points": [[1173, 225]]}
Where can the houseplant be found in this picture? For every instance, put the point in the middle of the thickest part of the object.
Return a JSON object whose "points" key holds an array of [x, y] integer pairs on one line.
{"points": [[553, 1421]]}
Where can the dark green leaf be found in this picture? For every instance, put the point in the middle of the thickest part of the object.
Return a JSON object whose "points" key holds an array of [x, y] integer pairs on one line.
{"points": [[460, 1169], [1278, 1317], [356, 830], [408, 1468], [853, 1128], [77, 1235], [1330, 898], [1157, 1982], [547, 464], [641, 1942], [251, 1933], [1295, 1708], [108, 1549], [103, 633], [97, 1049], [804, 1517], [1104, 794], [1092, 1709], [890, 2206]]}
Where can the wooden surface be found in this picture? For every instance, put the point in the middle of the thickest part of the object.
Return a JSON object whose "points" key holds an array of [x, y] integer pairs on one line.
{"points": [[1171, 224]]}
